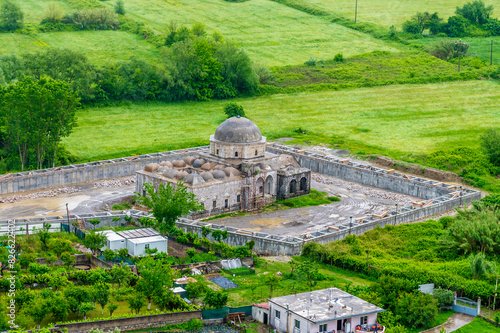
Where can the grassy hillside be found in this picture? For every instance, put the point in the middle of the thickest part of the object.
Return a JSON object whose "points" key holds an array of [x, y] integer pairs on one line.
{"points": [[271, 33], [392, 120], [98, 46], [394, 12]]}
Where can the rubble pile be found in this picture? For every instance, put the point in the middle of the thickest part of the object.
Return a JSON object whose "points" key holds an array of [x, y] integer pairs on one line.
{"points": [[37, 195], [115, 182]]}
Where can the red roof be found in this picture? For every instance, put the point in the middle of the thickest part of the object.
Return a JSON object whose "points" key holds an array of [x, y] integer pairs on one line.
{"points": [[264, 305]]}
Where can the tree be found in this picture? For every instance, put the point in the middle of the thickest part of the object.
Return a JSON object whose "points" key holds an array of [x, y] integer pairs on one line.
{"points": [[44, 235], [59, 245], [11, 16], [205, 231], [167, 300], [420, 21], [67, 258], [169, 203], [196, 289], [76, 295], [490, 142], [191, 253], [121, 274], [215, 299], [443, 296], [27, 258], [109, 254], [136, 302], [272, 281], [59, 307], [94, 222], [36, 116], [38, 309], [154, 276], [456, 26], [479, 266], [416, 309], [85, 308], [120, 7], [94, 242], [123, 252], [112, 308], [102, 295], [232, 109], [476, 12]]}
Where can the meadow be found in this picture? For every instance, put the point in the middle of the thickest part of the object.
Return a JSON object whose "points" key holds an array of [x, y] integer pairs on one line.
{"points": [[392, 120], [393, 12], [98, 46]]}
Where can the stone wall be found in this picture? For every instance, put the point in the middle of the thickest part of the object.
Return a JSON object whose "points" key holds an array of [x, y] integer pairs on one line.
{"points": [[134, 323]]}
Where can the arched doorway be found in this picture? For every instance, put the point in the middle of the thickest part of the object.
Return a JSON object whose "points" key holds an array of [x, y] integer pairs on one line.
{"points": [[293, 186], [269, 185], [260, 186], [303, 184]]}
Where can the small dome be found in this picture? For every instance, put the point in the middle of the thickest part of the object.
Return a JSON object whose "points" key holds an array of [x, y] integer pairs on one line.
{"points": [[207, 176], [208, 166], [219, 167], [193, 179], [168, 164], [181, 175], [151, 167], [218, 174], [238, 130], [189, 160], [162, 169], [170, 173], [179, 164], [231, 172], [264, 166], [198, 163]]}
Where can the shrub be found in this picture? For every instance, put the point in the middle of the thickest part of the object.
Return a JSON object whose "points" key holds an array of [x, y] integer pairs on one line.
{"points": [[412, 27], [11, 16], [448, 49], [264, 73], [120, 7], [38, 269], [311, 62], [443, 296], [339, 57], [26, 259], [490, 142], [233, 110], [475, 12], [53, 13], [93, 19], [493, 25], [456, 26], [67, 258]]}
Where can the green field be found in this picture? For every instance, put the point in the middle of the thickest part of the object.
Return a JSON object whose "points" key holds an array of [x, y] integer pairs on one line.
{"points": [[479, 46], [479, 325], [394, 12], [392, 120], [98, 46], [271, 33]]}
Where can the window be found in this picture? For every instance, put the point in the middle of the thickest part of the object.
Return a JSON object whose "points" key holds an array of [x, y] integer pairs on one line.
{"points": [[238, 198], [217, 152], [322, 328], [255, 152], [146, 246], [214, 204], [297, 323], [278, 314], [226, 203], [236, 154], [364, 320]]}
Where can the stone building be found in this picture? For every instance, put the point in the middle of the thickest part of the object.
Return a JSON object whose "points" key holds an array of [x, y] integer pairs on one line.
{"points": [[235, 173]]}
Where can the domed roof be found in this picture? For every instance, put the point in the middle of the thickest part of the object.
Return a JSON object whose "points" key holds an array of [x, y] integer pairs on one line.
{"points": [[238, 130], [218, 174]]}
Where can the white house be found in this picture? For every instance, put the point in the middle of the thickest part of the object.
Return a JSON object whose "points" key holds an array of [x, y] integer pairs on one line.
{"points": [[138, 246], [328, 310], [136, 240], [260, 312]]}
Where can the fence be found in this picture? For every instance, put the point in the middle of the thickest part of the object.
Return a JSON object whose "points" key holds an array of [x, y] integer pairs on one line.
{"points": [[223, 312], [118, 260], [466, 306]]}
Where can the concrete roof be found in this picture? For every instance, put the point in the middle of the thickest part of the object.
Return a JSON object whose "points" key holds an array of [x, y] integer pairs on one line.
{"points": [[238, 130], [326, 305], [147, 239], [262, 305], [111, 235]]}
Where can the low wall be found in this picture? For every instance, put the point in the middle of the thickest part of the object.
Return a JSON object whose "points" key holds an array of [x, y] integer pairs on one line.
{"points": [[134, 323], [80, 259], [85, 172]]}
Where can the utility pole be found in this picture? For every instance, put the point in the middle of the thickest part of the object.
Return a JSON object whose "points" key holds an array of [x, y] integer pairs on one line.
{"points": [[491, 53], [356, 13], [67, 214], [350, 225], [396, 216]]}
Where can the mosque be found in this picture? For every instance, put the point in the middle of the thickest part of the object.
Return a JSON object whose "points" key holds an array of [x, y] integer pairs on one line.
{"points": [[235, 173]]}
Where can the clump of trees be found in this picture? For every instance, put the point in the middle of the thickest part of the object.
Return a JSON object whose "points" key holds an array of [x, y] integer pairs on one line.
{"points": [[234, 110], [471, 20], [11, 16]]}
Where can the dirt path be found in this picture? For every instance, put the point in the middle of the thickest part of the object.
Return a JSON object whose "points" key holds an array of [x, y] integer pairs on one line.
{"points": [[453, 323]]}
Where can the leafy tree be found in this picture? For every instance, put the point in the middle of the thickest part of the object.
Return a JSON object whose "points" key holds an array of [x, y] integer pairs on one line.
{"points": [[76, 295], [390, 289], [191, 253], [11, 16], [217, 235], [67, 258], [490, 142], [416, 309], [120, 7], [475, 12], [196, 289], [443, 296], [167, 300], [205, 231], [121, 274], [420, 21], [38, 309], [456, 26], [102, 295], [94, 222], [85, 308], [169, 203], [154, 276], [151, 251], [272, 281], [123, 252], [59, 307], [44, 235], [215, 299], [310, 271], [27, 258], [136, 302], [480, 266], [23, 297], [112, 308], [57, 282], [59, 245], [109, 254], [94, 242], [232, 109]]}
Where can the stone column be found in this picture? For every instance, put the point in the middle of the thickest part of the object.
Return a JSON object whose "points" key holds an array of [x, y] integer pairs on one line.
{"points": [[478, 306]]}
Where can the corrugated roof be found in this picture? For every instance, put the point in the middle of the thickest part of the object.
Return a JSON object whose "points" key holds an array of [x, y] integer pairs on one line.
{"points": [[147, 239], [138, 233]]}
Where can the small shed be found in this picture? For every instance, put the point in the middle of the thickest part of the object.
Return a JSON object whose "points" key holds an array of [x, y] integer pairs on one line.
{"points": [[138, 246], [114, 241], [179, 291], [260, 312]]}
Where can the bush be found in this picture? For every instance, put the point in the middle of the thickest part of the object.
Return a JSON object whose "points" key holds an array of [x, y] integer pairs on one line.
{"points": [[448, 49], [493, 25], [412, 27], [444, 297], [233, 110], [53, 13], [456, 26], [490, 142], [11, 16], [93, 19], [120, 7], [339, 57], [38, 269], [264, 74], [26, 259], [475, 12]]}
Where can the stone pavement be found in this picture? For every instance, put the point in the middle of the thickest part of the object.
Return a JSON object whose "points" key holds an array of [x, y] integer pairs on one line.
{"points": [[453, 323]]}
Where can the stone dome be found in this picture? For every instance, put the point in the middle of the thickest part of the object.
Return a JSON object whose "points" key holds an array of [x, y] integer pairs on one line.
{"points": [[170, 173], [238, 130], [207, 176], [189, 160], [198, 163], [218, 174], [151, 167], [193, 179], [181, 175], [167, 164], [179, 164], [231, 172]]}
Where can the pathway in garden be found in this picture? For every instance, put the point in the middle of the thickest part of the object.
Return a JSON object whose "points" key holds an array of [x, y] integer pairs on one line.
{"points": [[453, 323]]}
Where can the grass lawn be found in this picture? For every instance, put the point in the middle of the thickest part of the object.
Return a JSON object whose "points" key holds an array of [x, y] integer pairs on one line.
{"points": [[393, 12], [392, 120], [98, 46], [479, 46], [479, 325], [271, 33]]}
